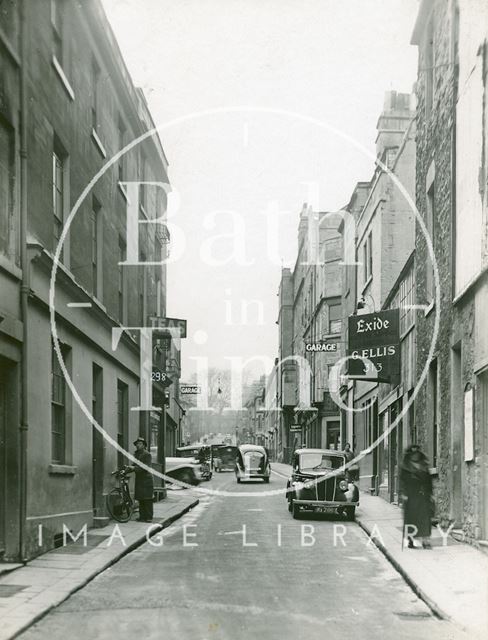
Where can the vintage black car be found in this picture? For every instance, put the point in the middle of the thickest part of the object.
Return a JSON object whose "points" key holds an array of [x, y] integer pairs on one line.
{"points": [[224, 457], [252, 462], [320, 484]]}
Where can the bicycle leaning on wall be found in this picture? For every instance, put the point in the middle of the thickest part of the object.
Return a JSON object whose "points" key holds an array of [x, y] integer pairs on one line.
{"points": [[120, 504]]}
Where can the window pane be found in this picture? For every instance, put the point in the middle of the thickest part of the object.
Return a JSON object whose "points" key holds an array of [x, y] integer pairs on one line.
{"points": [[58, 411], [6, 184]]}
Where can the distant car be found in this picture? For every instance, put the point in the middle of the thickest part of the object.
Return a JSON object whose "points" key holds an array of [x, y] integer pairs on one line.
{"points": [[224, 457], [252, 462], [320, 484]]}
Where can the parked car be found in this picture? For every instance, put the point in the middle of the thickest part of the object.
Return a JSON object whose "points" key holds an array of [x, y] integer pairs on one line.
{"points": [[186, 470], [320, 484], [199, 453], [252, 462], [224, 457]]}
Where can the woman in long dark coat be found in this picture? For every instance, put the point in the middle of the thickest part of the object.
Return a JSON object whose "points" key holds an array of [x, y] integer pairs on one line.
{"points": [[144, 486], [416, 487]]}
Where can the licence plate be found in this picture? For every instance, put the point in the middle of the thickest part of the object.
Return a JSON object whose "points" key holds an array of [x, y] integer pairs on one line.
{"points": [[325, 509]]}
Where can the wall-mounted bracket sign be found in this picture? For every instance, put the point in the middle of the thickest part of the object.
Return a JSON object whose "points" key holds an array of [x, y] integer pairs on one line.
{"points": [[322, 346], [158, 322], [374, 346], [162, 377]]}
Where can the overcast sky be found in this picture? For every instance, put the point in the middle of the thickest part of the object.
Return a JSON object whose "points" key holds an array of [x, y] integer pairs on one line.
{"points": [[323, 60]]}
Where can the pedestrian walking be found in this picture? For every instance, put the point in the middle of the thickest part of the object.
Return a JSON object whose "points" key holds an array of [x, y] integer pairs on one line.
{"points": [[353, 469], [348, 452], [144, 486], [416, 488]]}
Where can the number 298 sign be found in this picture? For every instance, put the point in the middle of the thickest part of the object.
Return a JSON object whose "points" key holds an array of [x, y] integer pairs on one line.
{"points": [[162, 377]]}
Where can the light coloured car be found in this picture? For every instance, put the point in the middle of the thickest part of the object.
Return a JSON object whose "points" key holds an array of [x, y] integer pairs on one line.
{"points": [[187, 470], [252, 462]]}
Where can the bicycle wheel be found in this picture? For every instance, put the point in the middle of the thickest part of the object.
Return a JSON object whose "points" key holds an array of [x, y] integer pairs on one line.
{"points": [[118, 506]]}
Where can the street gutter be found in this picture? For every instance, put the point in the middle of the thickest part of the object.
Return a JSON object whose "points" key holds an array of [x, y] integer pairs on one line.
{"points": [[436, 610]]}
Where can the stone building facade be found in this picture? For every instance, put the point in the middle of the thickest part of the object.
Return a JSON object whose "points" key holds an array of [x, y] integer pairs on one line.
{"points": [[385, 240], [68, 106], [451, 193], [310, 326]]}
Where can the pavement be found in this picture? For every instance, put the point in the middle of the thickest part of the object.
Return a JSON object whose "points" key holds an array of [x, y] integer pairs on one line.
{"points": [[28, 592], [239, 566], [451, 578]]}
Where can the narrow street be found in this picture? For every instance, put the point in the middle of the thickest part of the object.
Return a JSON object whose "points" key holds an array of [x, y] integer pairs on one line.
{"points": [[222, 589]]}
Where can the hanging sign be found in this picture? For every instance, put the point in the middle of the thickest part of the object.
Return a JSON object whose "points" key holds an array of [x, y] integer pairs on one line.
{"points": [[374, 346]]}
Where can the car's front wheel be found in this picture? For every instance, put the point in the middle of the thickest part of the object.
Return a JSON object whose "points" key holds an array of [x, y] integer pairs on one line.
{"points": [[350, 513], [295, 511]]}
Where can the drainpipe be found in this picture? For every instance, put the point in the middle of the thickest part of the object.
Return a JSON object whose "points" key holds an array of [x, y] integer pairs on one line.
{"points": [[24, 288]]}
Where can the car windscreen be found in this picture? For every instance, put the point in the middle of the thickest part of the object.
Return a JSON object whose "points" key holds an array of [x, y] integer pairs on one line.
{"points": [[187, 453], [225, 453], [310, 461], [253, 458]]}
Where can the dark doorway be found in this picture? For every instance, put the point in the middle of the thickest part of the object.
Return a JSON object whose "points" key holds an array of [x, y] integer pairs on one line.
{"points": [[333, 434], [3, 461], [97, 442]]}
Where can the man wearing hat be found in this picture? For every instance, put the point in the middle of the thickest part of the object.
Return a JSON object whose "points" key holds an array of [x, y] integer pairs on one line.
{"points": [[144, 487]]}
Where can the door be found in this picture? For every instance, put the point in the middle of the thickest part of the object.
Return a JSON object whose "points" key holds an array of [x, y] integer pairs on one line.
{"points": [[333, 434], [457, 436], [393, 456], [97, 442], [3, 464], [483, 418]]}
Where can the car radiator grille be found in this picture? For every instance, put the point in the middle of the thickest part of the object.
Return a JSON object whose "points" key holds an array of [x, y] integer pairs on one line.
{"points": [[326, 489]]}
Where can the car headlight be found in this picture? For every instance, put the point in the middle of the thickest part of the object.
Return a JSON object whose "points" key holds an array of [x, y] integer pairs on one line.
{"points": [[343, 486]]}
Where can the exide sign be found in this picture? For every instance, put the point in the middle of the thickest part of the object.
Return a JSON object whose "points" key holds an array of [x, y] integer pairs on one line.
{"points": [[374, 346]]}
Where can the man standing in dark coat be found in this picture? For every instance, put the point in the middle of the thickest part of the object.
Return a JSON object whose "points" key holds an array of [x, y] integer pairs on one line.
{"points": [[416, 487], [144, 486]]}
